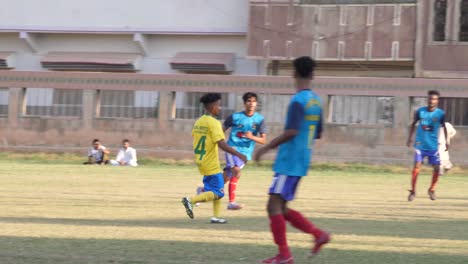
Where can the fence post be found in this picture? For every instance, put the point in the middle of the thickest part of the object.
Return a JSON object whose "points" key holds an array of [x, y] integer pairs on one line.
{"points": [[89, 108], [401, 112], [166, 108], [16, 105]]}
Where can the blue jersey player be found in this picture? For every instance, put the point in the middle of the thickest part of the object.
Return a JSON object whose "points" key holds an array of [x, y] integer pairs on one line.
{"points": [[431, 119], [303, 126], [247, 129]]}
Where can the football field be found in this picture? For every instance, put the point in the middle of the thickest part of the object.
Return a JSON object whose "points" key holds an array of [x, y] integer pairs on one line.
{"points": [[67, 213]]}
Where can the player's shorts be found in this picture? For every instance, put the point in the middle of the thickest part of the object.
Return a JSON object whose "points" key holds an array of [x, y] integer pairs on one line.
{"points": [[231, 162], [285, 186], [432, 156], [214, 183]]}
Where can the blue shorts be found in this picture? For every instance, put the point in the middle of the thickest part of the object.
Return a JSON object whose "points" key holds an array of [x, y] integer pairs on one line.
{"points": [[432, 156], [214, 183], [285, 186], [231, 162]]}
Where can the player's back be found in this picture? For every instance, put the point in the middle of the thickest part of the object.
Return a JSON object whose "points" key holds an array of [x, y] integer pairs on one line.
{"points": [[206, 133], [294, 156]]}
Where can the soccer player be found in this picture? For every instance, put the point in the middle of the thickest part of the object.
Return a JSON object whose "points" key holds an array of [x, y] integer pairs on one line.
{"points": [[247, 128], [207, 136], [430, 120], [445, 163], [303, 126]]}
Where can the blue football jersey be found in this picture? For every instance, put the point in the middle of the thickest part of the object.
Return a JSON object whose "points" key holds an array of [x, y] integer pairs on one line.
{"points": [[304, 114], [240, 123], [427, 133]]}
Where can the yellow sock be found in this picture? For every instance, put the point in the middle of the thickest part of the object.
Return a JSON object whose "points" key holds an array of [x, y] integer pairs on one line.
{"points": [[203, 197], [217, 208]]}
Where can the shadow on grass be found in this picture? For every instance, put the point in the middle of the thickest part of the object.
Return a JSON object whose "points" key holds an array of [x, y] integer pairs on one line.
{"points": [[59, 250], [441, 229]]}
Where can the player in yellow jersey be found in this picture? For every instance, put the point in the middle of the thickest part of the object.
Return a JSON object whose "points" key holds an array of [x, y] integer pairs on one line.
{"points": [[207, 136]]}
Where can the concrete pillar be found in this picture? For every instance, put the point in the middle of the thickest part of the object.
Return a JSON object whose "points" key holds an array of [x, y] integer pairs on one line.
{"points": [[16, 105], [166, 108], [89, 108], [401, 112], [422, 23], [325, 107]]}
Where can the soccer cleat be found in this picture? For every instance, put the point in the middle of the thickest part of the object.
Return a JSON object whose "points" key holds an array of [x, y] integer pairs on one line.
{"points": [[278, 260], [199, 190], [432, 195], [188, 207], [234, 206], [323, 239], [411, 195], [216, 220]]}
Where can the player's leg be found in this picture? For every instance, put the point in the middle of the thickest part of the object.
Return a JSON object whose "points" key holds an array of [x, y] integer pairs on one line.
{"points": [[418, 158], [217, 187], [206, 196], [236, 173], [434, 160]]}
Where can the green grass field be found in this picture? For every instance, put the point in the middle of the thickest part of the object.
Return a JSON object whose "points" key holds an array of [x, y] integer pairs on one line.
{"points": [[68, 213]]}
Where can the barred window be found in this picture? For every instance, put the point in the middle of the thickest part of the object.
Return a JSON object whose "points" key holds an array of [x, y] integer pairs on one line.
{"points": [[53, 102], [456, 109], [188, 105], [4, 101], [129, 104], [361, 109], [440, 15], [463, 34]]}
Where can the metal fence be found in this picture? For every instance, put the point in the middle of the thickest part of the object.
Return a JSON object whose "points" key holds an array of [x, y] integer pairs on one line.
{"points": [[4, 101], [188, 105], [54, 102], [456, 109], [361, 109]]}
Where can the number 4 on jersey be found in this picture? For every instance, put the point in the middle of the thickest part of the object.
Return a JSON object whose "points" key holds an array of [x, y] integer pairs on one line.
{"points": [[200, 148]]}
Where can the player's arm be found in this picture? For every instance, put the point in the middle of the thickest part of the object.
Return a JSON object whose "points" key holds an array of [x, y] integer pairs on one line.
{"points": [[320, 128], [412, 128], [105, 151], [442, 123], [262, 132], [295, 119], [228, 123], [224, 146]]}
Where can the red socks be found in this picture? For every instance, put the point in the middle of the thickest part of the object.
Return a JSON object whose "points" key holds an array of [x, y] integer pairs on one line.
{"points": [[232, 189], [278, 228], [414, 179], [435, 178], [300, 222]]}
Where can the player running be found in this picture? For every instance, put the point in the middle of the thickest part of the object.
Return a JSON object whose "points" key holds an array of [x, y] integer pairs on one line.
{"points": [[247, 128], [207, 137], [430, 120], [303, 126]]}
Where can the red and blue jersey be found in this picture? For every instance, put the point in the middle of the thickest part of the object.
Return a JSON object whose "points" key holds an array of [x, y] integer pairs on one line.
{"points": [[427, 133]]}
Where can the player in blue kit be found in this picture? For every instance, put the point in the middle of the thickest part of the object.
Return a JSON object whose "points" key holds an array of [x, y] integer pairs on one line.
{"points": [[431, 119], [303, 126], [247, 129]]}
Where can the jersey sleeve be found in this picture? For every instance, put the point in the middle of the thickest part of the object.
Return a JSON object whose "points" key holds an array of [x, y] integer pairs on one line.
{"points": [[216, 132], [416, 115], [442, 119], [229, 122], [262, 127], [295, 116]]}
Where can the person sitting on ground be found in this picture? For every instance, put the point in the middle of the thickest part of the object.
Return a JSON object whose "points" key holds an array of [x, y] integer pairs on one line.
{"points": [[126, 156], [98, 154]]}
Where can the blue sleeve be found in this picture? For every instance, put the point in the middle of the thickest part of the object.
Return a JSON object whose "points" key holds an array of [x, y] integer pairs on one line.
{"points": [[295, 116], [442, 119], [228, 122], [262, 127], [416, 115]]}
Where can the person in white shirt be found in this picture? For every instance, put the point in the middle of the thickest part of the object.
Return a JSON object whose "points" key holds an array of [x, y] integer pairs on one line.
{"points": [[97, 154], [126, 156], [445, 164]]}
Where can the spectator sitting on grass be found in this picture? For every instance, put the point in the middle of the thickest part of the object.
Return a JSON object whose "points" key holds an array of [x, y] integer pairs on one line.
{"points": [[126, 156], [98, 154]]}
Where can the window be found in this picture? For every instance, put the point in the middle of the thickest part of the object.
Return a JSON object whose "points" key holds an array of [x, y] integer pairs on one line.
{"points": [[4, 101], [440, 15], [361, 109], [463, 34], [273, 107], [188, 105], [456, 109], [129, 104], [53, 102]]}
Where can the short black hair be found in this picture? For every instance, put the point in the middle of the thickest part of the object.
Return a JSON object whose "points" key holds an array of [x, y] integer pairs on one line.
{"points": [[210, 98], [304, 67], [125, 141], [96, 140], [433, 92], [249, 95]]}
